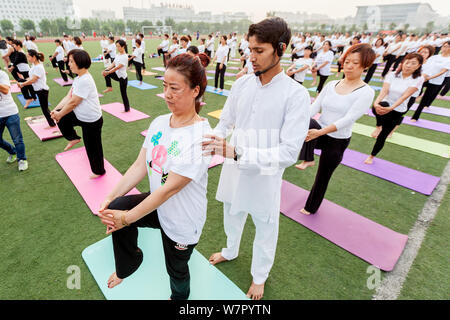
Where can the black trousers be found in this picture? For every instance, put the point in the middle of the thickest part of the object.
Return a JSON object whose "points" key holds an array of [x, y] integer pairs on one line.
{"points": [[61, 69], [43, 100], [411, 101], [128, 257], [388, 122], [208, 53], [390, 59], [54, 63], [143, 61], [220, 73], [370, 72], [164, 58], [430, 94], [330, 158], [397, 62], [27, 91], [138, 67], [445, 86], [322, 81], [123, 88], [68, 68], [92, 136]]}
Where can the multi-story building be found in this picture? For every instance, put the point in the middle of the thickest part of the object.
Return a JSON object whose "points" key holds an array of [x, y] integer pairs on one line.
{"points": [[103, 15], [35, 10]]}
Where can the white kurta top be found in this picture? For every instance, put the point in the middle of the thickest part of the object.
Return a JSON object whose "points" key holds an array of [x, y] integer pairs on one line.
{"points": [[278, 115]]}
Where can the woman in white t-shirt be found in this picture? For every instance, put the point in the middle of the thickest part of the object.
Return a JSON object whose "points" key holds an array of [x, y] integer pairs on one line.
{"points": [[222, 60], [173, 49], [202, 46], [437, 67], [298, 69], [210, 46], [118, 72], [81, 107], [322, 65], [136, 59], [183, 45], [110, 50], [379, 49], [163, 48], [341, 104], [171, 157], [57, 59], [392, 101], [38, 79]]}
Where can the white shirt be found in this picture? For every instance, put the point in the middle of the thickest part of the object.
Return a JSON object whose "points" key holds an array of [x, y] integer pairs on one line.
{"points": [[248, 63], [104, 44], [321, 58], [397, 87], [181, 50], [89, 109], [300, 46], [244, 45], [137, 53], [379, 51], [30, 45], [143, 45], [39, 71], [164, 45], [394, 48], [201, 48], [341, 110], [300, 63], [278, 111], [435, 64], [178, 150], [210, 45], [123, 60], [60, 55], [133, 43], [222, 54], [172, 47], [112, 47], [7, 105]]}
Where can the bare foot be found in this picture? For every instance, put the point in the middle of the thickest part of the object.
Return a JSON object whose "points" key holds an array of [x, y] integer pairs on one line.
{"points": [[369, 160], [114, 281], [216, 258], [305, 164], [27, 103], [313, 83], [95, 176], [376, 132], [305, 212], [107, 90], [413, 120], [256, 291], [71, 144]]}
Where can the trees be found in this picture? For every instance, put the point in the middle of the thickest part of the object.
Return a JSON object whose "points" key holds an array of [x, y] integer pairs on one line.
{"points": [[429, 27], [27, 25], [45, 26], [392, 26], [7, 26]]}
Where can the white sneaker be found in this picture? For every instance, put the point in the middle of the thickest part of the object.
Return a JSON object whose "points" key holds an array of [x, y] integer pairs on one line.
{"points": [[12, 158], [23, 165]]}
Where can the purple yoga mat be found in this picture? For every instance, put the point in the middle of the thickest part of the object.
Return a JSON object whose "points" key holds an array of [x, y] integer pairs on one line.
{"points": [[368, 240], [409, 178], [439, 111], [422, 123], [446, 98], [117, 110], [62, 83], [227, 74], [233, 68], [93, 191]]}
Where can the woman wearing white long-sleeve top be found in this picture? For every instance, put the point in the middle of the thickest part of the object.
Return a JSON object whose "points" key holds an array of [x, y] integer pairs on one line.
{"points": [[341, 103]]}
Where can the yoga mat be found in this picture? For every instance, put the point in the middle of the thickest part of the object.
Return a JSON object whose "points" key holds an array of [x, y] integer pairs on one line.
{"points": [[62, 83], [227, 74], [235, 60], [151, 281], [210, 89], [14, 88], [146, 73], [162, 78], [439, 111], [368, 240], [39, 126], [389, 171], [446, 98], [229, 82], [144, 86], [233, 68], [33, 104], [313, 89], [233, 63], [431, 147], [422, 123], [215, 114], [376, 88], [117, 110], [159, 69], [93, 191]]}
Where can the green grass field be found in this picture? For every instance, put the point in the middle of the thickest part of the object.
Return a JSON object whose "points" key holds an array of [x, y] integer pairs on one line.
{"points": [[46, 224]]}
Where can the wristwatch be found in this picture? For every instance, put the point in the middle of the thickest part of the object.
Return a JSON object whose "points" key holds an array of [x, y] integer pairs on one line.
{"points": [[237, 153]]}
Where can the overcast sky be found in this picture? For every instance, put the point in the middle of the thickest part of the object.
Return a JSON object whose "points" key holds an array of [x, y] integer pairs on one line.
{"points": [[257, 8]]}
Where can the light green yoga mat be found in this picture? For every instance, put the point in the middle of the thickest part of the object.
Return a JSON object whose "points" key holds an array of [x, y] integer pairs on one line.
{"points": [[229, 82], [151, 281], [435, 148]]}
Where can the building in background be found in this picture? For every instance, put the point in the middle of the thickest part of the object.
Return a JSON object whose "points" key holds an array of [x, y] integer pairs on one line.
{"points": [[103, 15], [35, 10]]}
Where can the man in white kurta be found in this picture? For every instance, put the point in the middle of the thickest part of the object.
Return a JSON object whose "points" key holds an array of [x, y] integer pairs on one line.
{"points": [[270, 117]]}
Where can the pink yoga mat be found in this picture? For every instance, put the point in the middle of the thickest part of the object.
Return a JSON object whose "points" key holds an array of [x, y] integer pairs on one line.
{"points": [[15, 88], [161, 95], [446, 98], [368, 240], [93, 191], [61, 82], [39, 126], [117, 110]]}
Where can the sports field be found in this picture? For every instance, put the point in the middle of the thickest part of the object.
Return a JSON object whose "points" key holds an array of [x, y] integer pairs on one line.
{"points": [[45, 224]]}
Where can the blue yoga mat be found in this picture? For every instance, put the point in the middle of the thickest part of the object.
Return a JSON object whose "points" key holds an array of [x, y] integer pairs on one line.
{"points": [[33, 104], [144, 86], [212, 90], [151, 281]]}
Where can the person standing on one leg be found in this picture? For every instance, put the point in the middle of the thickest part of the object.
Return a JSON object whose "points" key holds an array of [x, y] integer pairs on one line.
{"points": [[38, 79], [222, 60], [379, 51], [322, 64], [58, 59], [118, 72], [271, 106], [136, 58], [341, 103], [9, 118], [390, 54], [392, 101], [81, 107]]}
